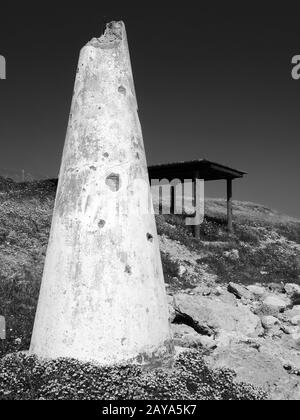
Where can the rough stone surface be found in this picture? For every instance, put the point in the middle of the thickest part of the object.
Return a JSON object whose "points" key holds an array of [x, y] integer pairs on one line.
{"points": [[185, 336], [276, 287], [283, 349], [289, 330], [270, 322], [223, 318], [292, 289], [257, 291], [239, 291], [226, 297], [263, 350], [292, 312], [276, 303], [260, 309], [258, 368], [296, 320]]}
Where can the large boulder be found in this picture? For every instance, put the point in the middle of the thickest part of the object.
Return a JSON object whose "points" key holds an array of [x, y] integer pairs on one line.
{"points": [[225, 319], [226, 297], [276, 303], [257, 368]]}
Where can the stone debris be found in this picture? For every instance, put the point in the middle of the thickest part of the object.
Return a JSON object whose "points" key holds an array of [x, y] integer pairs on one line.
{"points": [[255, 333]]}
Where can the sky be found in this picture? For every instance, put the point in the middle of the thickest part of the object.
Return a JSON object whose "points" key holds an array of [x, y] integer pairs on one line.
{"points": [[212, 80]]}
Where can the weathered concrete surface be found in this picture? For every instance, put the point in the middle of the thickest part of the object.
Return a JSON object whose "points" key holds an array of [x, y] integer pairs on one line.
{"points": [[103, 295]]}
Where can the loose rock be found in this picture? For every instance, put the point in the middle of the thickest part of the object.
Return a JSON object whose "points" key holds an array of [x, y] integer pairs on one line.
{"points": [[269, 322], [296, 320], [276, 303], [239, 291], [257, 291], [181, 271], [292, 289]]}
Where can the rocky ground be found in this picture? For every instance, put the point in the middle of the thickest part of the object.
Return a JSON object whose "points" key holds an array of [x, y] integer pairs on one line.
{"points": [[246, 314], [252, 330], [234, 297]]}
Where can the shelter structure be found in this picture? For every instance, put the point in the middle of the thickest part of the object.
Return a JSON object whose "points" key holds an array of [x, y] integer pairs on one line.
{"points": [[200, 169]]}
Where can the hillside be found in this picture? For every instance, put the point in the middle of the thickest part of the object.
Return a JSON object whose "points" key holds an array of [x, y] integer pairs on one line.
{"points": [[251, 327]]}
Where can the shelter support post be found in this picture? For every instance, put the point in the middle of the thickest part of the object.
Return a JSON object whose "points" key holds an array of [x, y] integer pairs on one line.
{"points": [[229, 205], [197, 230], [173, 200]]}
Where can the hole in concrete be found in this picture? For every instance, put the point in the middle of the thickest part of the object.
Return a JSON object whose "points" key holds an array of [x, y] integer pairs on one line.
{"points": [[128, 269], [106, 155], [149, 237], [101, 224], [122, 90], [113, 182], [93, 168]]}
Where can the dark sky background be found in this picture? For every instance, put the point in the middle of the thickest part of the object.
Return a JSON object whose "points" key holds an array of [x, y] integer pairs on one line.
{"points": [[213, 81]]}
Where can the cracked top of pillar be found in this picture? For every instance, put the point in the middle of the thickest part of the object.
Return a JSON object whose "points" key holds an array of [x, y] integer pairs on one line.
{"points": [[111, 38]]}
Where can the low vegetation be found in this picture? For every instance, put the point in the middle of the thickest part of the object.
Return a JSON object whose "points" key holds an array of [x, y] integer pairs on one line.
{"points": [[26, 378], [264, 248]]}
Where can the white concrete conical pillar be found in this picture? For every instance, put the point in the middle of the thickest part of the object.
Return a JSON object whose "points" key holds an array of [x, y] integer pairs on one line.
{"points": [[103, 297]]}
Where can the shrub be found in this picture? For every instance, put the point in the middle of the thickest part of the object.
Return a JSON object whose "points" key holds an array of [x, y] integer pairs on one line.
{"points": [[18, 300], [247, 234], [264, 265], [214, 229], [174, 228], [25, 378]]}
